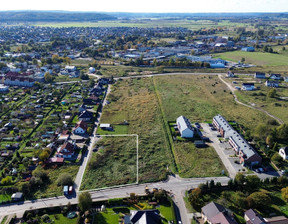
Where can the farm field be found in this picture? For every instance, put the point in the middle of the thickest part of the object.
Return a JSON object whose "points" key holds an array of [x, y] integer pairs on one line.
{"points": [[149, 22], [113, 164], [257, 58], [134, 101]]}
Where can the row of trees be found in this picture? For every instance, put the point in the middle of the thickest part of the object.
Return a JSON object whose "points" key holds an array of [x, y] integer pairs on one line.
{"points": [[243, 191]]}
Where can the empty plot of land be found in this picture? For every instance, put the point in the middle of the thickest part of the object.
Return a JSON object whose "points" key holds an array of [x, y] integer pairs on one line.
{"points": [[113, 163]]}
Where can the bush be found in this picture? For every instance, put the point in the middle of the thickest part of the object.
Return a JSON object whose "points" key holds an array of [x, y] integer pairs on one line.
{"points": [[45, 218], [65, 179]]}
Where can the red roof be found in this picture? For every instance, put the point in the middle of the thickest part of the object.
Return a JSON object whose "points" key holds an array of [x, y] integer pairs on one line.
{"points": [[56, 160]]}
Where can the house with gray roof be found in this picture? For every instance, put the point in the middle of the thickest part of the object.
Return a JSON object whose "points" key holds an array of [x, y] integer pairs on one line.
{"points": [[252, 217], [245, 152], [185, 128], [214, 213]]}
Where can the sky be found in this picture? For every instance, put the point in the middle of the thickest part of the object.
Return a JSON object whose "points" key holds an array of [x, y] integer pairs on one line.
{"points": [[149, 5]]}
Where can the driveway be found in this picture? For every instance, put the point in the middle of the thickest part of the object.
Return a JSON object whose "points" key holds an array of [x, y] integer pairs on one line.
{"points": [[224, 151]]}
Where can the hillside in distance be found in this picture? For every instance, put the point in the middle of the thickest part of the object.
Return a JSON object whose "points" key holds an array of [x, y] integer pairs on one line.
{"points": [[52, 16]]}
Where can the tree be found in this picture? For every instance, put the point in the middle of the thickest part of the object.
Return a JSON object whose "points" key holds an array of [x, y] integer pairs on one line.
{"points": [[239, 199], [6, 180], [195, 198], [48, 77], [253, 183], [272, 93], [44, 155], [242, 60], [258, 200], [276, 158], [282, 131], [284, 193], [270, 140], [84, 201], [65, 179], [240, 179]]}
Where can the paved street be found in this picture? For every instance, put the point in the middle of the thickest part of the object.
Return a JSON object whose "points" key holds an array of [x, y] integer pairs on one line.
{"points": [[174, 184]]}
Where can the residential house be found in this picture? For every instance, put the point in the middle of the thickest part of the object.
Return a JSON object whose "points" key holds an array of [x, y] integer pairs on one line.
{"points": [[66, 151], [270, 83], [82, 108], [145, 217], [260, 75], [230, 74], [283, 152], [214, 213], [4, 88], [248, 86], [85, 116], [80, 127], [17, 79], [63, 136], [248, 49], [285, 79], [276, 220], [185, 128], [252, 217], [275, 76], [246, 153]]}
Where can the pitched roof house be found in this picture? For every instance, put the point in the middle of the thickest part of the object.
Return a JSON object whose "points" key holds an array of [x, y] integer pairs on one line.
{"points": [[145, 217], [252, 217], [66, 151], [245, 152], [270, 83], [275, 76], [248, 86], [214, 213], [85, 116], [260, 75], [80, 127], [185, 127]]}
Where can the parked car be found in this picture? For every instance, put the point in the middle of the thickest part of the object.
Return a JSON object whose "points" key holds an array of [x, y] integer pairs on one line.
{"points": [[213, 129]]}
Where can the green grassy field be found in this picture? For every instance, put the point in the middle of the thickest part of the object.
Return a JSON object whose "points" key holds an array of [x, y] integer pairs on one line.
{"points": [[200, 98], [256, 58], [150, 22], [113, 164], [135, 101], [259, 98]]}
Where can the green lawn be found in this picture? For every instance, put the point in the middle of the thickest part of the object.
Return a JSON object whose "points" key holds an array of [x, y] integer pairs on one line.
{"points": [[60, 219], [5, 197], [106, 217]]}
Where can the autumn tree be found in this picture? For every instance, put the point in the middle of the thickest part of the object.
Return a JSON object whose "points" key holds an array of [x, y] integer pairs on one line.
{"points": [[284, 193], [258, 200], [84, 201]]}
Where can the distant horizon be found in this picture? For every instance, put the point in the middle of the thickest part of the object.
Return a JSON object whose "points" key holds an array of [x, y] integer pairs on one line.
{"points": [[151, 6], [175, 12]]}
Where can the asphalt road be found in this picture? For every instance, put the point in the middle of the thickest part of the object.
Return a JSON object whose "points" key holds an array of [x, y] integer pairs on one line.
{"points": [[173, 184]]}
